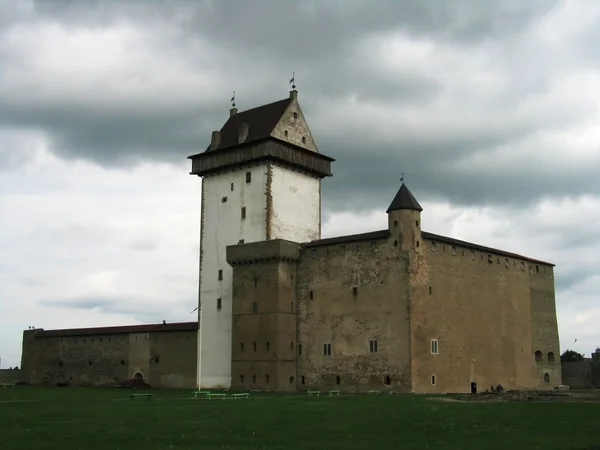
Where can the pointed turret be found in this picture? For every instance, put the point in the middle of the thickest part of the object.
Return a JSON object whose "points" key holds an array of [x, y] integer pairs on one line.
{"points": [[404, 220], [404, 200]]}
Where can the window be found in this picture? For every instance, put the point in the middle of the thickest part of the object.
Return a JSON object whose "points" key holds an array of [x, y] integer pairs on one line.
{"points": [[255, 281], [418, 243], [254, 307], [243, 212], [303, 379], [434, 246], [267, 379], [395, 243], [522, 266], [224, 200], [355, 291], [292, 379], [373, 346], [490, 259], [546, 377], [248, 177], [453, 250], [241, 378], [373, 246], [268, 346], [292, 306], [417, 223], [327, 349], [254, 346], [299, 349], [433, 380], [285, 133], [337, 379], [219, 304], [551, 357], [241, 241], [387, 380], [537, 268], [506, 262], [220, 274], [311, 295], [303, 140], [291, 346], [472, 254], [231, 187], [242, 347], [434, 347], [538, 356], [395, 223], [254, 378], [429, 290], [295, 115]]}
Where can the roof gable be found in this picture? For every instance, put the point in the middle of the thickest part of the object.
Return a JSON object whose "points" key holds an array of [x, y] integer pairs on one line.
{"points": [[257, 122]]}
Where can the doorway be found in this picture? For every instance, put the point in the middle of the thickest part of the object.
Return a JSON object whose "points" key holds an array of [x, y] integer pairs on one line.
{"points": [[473, 387]]}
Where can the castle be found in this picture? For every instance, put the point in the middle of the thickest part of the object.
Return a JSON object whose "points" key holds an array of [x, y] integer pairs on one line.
{"points": [[282, 309]]}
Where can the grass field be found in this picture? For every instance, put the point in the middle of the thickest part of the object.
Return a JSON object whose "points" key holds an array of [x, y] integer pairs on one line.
{"points": [[80, 418]]}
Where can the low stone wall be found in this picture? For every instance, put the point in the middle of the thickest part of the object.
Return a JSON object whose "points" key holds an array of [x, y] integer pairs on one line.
{"points": [[10, 375]]}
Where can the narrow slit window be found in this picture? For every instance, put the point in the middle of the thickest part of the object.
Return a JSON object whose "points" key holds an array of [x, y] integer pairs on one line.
{"points": [[219, 304], [248, 177], [243, 212]]}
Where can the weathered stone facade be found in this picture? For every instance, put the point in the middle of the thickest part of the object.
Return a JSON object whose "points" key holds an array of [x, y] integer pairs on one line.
{"points": [[164, 355]]}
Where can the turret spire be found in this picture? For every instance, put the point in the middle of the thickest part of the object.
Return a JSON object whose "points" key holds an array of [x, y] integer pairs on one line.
{"points": [[404, 200]]}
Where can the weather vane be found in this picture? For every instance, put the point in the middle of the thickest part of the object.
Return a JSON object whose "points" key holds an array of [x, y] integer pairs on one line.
{"points": [[233, 100], [293, 80]]}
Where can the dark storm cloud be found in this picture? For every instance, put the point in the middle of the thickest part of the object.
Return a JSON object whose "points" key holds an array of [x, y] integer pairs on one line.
{"points": [[256, 45]]}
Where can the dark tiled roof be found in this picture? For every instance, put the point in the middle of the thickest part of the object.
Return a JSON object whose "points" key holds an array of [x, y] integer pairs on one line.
{"points": [[404, 200], [372, 235], [179, 326], [383, 234], [260, 120]]}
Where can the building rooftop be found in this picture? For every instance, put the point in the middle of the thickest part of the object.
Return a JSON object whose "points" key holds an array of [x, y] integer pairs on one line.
{"points": [[404, 200], [261, 122], [147, 328], [384, 234]]}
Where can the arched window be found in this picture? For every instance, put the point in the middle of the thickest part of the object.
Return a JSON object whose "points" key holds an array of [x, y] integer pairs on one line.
{"points": [[538, 356], [550, 357], [546, 377], [337, 379], [388, 380], [433, 380]]}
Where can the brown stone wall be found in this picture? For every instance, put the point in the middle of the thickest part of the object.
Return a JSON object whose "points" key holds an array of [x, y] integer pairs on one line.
{"points": [[11, 375], [351, 293], [164, 358], [544, 325], [264, 324], [481, 311]]}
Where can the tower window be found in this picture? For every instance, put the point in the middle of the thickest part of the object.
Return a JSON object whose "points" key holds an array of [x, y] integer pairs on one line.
{"points": [[434, 246], [231, 187], [242, 347], [303, 379], [429, 290], [219, 304], [254, 378], [220, 274], [299, 349], [295, 115], [418, 243], [224, 200], [395, 223], [433, 380], [267, 379], [303, 140], [373, 346], [254, 346], [311, 295], [434, 347], [248, 177], [285, 133], [327, 349], [242, 379], [254, 307], [395, 243], [453, 250], [243, 212], [355, 291], [417, 223], [255, 281], [241, 241], [268, 346], [550, 357], [337, 379]]}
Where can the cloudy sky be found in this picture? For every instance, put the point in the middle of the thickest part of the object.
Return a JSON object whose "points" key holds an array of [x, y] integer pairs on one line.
{"points": [[491, 109]]}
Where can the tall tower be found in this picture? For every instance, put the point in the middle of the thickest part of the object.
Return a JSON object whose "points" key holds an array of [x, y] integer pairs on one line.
{"points": [[261, 180]]}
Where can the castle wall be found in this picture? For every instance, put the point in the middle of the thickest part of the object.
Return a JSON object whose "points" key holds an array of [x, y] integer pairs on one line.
{"points": [[223, 225], [481, 312], [164, 358], [11, 375], [294, 205], [349, 294]]}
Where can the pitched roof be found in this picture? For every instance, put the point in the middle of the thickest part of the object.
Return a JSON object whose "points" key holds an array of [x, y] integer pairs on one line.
{"points": [[260, 120], [404, 200], [146, 328]]}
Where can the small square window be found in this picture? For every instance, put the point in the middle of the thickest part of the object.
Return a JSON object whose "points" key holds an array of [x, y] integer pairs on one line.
{"points": [[327, 349], [248, 177], [219, 304], [224, 200], [373, 346]]}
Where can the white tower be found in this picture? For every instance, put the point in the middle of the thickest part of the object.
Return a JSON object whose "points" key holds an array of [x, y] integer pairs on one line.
{"points": [[261, 180]]}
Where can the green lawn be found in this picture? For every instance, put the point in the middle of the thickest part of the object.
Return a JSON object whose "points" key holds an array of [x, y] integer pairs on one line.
{"points": [[79, 418]]}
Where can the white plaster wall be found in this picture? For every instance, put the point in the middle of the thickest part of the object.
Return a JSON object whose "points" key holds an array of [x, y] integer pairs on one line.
{"points": [[296, 211], [223, 226]]}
